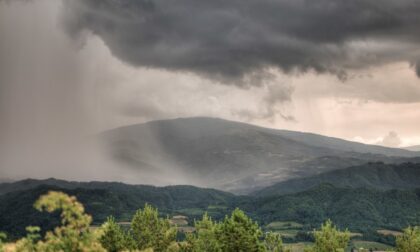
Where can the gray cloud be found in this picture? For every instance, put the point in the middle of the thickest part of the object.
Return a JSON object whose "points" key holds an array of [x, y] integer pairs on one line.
{"points": [[236, 41]]}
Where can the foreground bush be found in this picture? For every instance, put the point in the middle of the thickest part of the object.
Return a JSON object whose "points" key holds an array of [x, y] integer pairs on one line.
{"points": [[2, 238], [239, 233], [330, 239], [205, 237], [113, 238], [150, 231], [74, 234], [409, 241]]}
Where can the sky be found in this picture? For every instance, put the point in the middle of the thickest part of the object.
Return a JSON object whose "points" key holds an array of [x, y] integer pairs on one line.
{"points": [[73, 68]]}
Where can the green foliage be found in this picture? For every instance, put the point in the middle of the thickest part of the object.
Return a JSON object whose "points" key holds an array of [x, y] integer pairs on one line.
{"points": [[29, 243], [72, 212], [2, 238], [362, 210], [73, 235], [150, 231], [235, 233], [329, 239], [239, 233], [357, 209], [409, 241], [109, 199], [113, 238], [204, 238], [273, 242], [377, 175]]}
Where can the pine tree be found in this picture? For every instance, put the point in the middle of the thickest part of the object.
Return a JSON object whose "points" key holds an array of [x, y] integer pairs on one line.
{"points": [[273, 242], [204, 238], [150, 231], [113, 238], [329, 239], [239, 233]]}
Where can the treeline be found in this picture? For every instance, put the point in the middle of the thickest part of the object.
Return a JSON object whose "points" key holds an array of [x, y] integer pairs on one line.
{"points": [[149, 232], [361, 210]]}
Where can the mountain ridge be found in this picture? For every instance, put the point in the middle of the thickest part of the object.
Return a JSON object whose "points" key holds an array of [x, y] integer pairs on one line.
{"points": [[415, 148], [379, 176], [233, 156], [294, 135]]}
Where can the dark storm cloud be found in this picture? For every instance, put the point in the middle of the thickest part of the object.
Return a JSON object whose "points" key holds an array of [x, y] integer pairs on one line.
{"points": [[235, 41]]}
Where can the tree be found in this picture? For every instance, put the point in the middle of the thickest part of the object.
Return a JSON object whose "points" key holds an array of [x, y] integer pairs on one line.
{"points": [[29, 243], [409, 241], [150, 231], [74, 234], [204, 238], [239, 233], [2, 238], [113, 238], [273, 242], [329, 239]]}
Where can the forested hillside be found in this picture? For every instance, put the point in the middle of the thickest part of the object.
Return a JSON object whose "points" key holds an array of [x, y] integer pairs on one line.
{"points": [[360, 209], [119, 200], [375, 175]]}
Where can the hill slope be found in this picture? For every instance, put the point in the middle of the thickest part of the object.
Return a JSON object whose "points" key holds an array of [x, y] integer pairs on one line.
{"points": [[358, 209], [371, 175], [233, 156], [102, 199]]}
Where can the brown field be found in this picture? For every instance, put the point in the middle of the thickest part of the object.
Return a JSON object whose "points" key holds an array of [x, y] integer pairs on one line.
{"points": [[389, 232]]}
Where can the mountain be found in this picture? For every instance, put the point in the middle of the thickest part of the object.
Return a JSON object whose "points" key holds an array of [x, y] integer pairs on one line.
{"points": [[359, 209], [371, 175], [233, 156], [413, 148]]}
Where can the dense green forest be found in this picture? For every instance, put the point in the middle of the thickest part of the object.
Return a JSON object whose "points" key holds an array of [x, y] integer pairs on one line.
{"points": [[377, 175], [358, 209], [119, 200], [361, 210], [149, 232]]}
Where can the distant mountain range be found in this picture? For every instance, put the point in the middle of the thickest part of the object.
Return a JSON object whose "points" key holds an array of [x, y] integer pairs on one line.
{"points": [[234, 156], [413, 148], [371, 175]]}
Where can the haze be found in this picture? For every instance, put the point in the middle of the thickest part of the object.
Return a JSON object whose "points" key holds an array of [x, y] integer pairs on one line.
{"points": [[71, 69]]}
